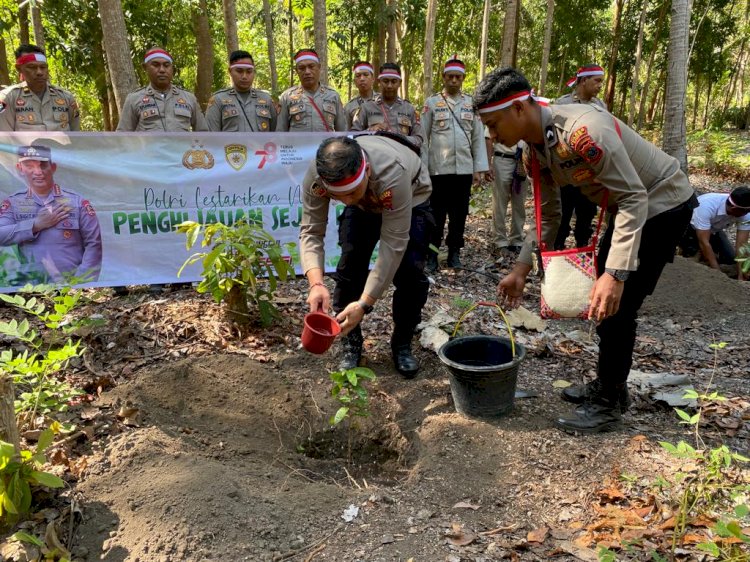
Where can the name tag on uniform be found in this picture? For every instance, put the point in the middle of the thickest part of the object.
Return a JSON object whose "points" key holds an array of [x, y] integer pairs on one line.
{"points": [[467, 115]]}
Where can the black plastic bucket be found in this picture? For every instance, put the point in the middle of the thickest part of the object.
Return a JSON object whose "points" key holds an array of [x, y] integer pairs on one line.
{"points": [[482, 373]]}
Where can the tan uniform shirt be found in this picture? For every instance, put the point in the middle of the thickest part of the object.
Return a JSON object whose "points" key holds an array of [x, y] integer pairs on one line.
{"points": [[451, 148], [227, 111], [573, 98], [400, 117], [311, 112], [148, 110], [351, 108], [22, 110], [584, 149], [398, 182]]}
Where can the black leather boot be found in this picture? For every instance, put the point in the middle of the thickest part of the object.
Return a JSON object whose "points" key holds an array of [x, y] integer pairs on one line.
{"points": [[351, 347], [598, 413], [403, 358], [579, 393], [431, 266], [454, 258]]}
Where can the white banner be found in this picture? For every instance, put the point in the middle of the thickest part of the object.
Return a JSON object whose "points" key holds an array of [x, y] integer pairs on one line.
{"points": [[135, 188]]}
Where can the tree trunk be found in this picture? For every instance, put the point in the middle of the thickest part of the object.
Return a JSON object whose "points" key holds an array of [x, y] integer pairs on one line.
{"points": [[508, 46], [429, 42], [36, 18], [655, 97], [23, 22], [290, 14], [236, 305], [391, 54], [4, 72], [117, 48], [485, 38], [636, 68], [563, 78], [101, 83], [734, 77], [651, 58], [696, 99], [8, 424], [609, 96], [230, 24], [321, 37], [205, 67], [271, 46], [380, 37], [547, 46], [708, 103], [674, 97]]}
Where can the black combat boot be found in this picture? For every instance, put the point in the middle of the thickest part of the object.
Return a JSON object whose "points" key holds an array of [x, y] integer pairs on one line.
{"points": [[600, 412], [579, 393], [454, 258], [403, 358], [431, 266], [351, 347]]}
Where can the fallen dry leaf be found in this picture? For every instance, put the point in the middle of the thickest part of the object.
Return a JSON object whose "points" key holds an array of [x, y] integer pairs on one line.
{"points": [[537, 535], [466, 505], [457, 536]]}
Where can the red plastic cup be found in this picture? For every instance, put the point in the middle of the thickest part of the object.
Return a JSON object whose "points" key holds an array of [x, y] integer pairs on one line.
{"points": [[319, 332]]}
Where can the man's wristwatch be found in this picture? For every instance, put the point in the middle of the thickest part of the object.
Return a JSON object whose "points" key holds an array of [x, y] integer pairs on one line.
{"points": [[619, 274], [367, 308]]}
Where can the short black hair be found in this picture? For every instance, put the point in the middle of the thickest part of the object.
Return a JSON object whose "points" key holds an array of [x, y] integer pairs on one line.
{"points": [[499, 84], [239, 55], [741, 196], [391, 66], [26, 48], [338, 158]]}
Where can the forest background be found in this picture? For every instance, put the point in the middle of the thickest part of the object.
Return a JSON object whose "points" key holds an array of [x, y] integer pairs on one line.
{"points": [[96, 47]]}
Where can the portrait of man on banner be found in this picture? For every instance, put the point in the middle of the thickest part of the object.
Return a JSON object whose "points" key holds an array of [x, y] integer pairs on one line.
{"points": [[56, 231]]}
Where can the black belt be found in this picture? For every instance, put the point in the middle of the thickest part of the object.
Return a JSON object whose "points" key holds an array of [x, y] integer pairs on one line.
{"points": [[504, 155]]}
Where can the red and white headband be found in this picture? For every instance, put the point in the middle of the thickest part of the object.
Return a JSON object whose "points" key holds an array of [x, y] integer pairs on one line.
{"points": [[735, 205], [306, 55], [364, 67], [248, 65], [349, 183], [454, 66], [508, 101], [30, 57], [389, 73], [584, 72], [157, 54]]}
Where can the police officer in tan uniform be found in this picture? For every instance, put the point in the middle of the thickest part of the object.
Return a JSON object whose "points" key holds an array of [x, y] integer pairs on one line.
{"points": [[456, 154], [387, 111], [364, 79], [651, 202], [588, 83], [311, 106], [241, 108], [386, 190], [161, 106], [35, 104]]}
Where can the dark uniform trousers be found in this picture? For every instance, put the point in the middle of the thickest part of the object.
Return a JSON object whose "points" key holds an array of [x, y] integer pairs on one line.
{"points": [[359, 232], [720, 244], [617, 333], [450, 197], [572, 199]]}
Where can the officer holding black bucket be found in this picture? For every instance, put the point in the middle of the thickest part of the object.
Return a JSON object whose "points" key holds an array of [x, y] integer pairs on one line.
{"points": [[386, 190]]}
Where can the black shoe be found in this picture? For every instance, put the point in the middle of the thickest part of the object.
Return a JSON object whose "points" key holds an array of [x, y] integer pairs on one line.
{"points": [[591, 417], [580, 393], [514, 249], [405, 362], [351, 349], [454, 260], [431, 266]]}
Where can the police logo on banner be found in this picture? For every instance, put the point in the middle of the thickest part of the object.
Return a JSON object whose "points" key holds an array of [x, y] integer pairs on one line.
{"points": [[236, 155]]}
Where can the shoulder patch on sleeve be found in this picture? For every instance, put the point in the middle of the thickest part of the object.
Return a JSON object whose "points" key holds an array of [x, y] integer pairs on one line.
{"points": [[581, 142], [386, 199], [4, 206], [318, 190], [86, 205]]}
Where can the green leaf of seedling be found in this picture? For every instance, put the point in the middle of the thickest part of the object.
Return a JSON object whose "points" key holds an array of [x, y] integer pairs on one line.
{"points": [[340, 415], [668, 447], [683, 414], [690, 394], [710, 548], [741, 510], [46, 479], [351, 376], [20, 536], [45, 440]]}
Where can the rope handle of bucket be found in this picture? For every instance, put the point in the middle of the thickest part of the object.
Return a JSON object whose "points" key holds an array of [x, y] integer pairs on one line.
{"points": [[505, 319]]}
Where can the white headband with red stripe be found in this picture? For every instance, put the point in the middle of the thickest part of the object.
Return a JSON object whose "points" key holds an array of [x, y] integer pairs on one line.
{"points": [[451, 66], [30, 57], [364, 68], [389, 73], [735, 205], [306, 55], [584, 72], [242, 65], [157, 54], [508, 101], [347, 184]]}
